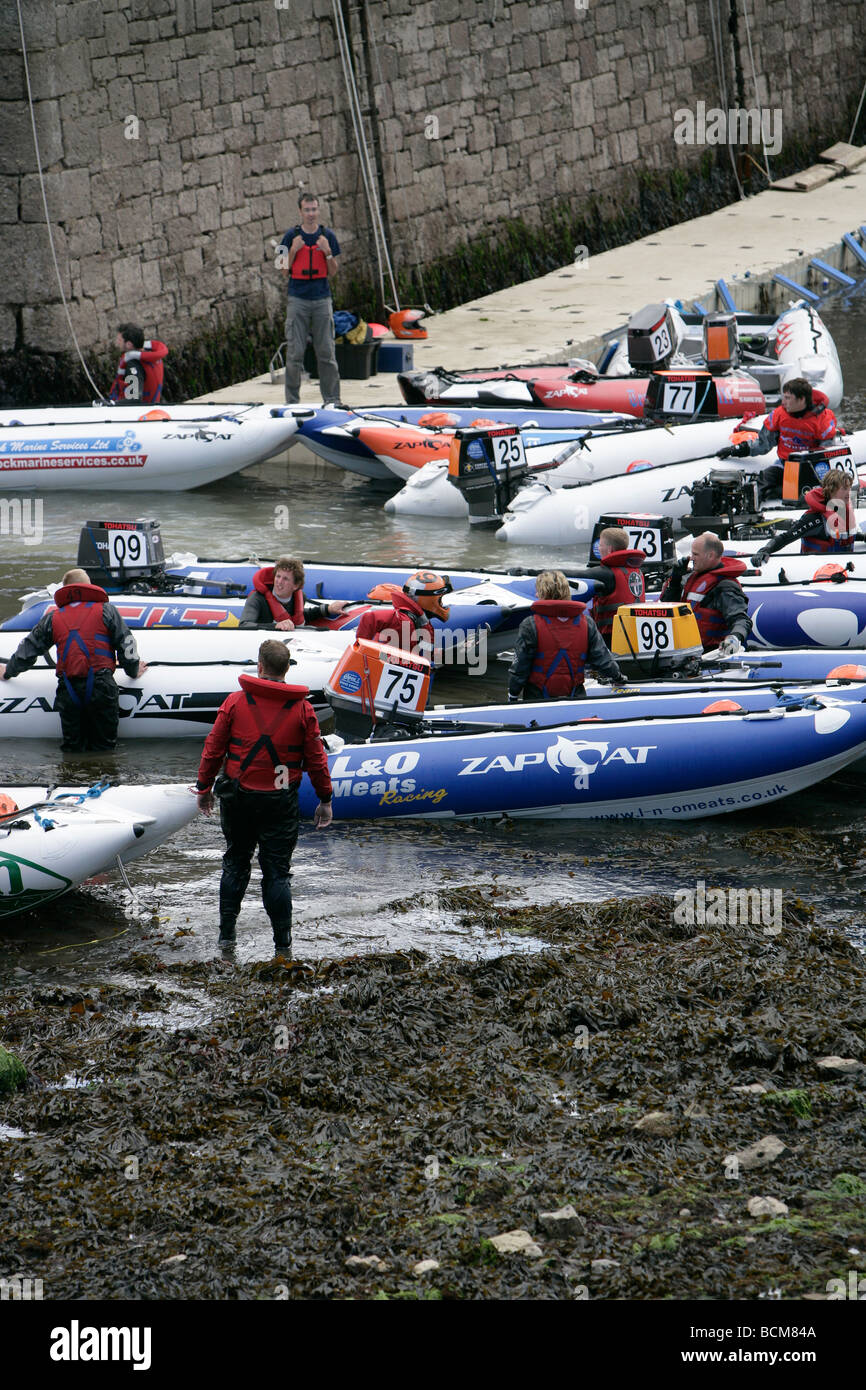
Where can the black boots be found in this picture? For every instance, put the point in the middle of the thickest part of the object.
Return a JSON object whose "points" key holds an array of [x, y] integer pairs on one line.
{"points": [[283, 938], [228, 936]]}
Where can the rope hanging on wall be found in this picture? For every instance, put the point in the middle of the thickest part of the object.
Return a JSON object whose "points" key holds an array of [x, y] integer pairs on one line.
{"points": [[45, 205], [383, 257]]}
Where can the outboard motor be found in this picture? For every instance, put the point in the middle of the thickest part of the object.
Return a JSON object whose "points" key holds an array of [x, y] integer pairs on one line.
{"points": [[810, 467], [656, 640], [681, 393], [116, 554], [721, 345], [651, 534], [723, 501], [374, 682], [652, 338], [488, 465]]}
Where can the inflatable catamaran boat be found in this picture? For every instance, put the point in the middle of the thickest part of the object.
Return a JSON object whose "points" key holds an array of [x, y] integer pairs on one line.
{"points": [[52, 839]]}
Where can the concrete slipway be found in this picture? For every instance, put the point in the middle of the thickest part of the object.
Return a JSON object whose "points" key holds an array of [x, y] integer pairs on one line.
{"points": [[565, 313]]}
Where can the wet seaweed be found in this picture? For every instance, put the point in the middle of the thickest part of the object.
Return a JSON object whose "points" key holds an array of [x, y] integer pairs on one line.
{"points": [[325, 1127]]}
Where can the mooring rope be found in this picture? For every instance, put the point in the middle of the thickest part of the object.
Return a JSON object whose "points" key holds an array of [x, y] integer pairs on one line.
{"points": [[45, 205]]}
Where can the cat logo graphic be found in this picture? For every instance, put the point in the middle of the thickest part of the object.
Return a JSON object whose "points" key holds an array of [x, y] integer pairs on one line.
{"points": [[582, 757]]}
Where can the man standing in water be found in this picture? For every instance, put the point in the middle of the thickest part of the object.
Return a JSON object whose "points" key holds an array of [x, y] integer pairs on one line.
{"points": [[267, 733], [311, 258]]}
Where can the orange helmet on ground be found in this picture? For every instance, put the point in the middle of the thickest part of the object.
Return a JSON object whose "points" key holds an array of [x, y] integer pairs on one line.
{"points": [[427, 589], [7, 806], [405, 323]]}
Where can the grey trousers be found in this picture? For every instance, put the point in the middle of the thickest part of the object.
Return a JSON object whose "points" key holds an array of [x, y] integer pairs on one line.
{"points": [[314, 316]]}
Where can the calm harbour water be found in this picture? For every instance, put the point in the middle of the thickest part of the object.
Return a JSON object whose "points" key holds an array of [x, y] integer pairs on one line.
{"points": [[345, 878]]}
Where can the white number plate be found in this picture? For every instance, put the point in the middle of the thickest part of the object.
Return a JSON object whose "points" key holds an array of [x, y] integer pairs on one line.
{"points": [[649, 540], [127, 547], [679, 397], [396, 683], [508, 450], [661, 341], [655, 635]]}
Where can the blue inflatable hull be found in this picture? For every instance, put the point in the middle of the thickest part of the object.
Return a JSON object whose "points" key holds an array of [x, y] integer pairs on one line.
{"points": [[670, 767], [808, 616]]}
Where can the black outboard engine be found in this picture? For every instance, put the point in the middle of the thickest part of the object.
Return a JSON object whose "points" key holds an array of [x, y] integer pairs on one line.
{"points": [[809, 468], [652, 534], [652, 338], [722, 501], [116, 554], [488, 465]]}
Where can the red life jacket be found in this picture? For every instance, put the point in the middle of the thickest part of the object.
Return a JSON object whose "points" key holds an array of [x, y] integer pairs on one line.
{"points": [[406, 623], [267, 733], [560, 627], [80, 635], [263, 583], [697, 591], [798, 433], [839, 530], [148, 368], [310, 263], [629, 587]]}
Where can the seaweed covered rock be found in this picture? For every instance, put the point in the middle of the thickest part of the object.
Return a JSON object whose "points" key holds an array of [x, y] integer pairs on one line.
{"points": [[12, 1073]]}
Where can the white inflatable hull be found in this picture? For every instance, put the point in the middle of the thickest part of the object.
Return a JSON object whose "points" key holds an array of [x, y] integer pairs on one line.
{"points": [[37, 864], [801, 346], [190, 673], [429, 493], [117, 448], [540, 515]]}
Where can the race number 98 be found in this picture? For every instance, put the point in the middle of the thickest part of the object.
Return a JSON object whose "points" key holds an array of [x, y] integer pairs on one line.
{"points": [[655, 635]]}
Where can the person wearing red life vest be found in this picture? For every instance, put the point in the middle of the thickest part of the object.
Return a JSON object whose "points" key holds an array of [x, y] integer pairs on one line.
{"points": [[827, 527], [308, 257], [617, 580], [267, 735], [802, 422], [712, 589], [277, 599], [139, 377], [555, 644], [90, 637], [406, 624]]}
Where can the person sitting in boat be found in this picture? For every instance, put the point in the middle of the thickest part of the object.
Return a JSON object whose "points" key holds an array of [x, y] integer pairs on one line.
{"points": [[277, 600], [139, 372], [827, 527], [90, 637], [712, 589], [554, 645], [618, 579], [406, 624], [802, 422]]}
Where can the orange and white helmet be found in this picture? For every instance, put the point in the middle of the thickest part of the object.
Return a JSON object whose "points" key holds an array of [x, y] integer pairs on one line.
{"points": [[427, 589], [405, 323]]}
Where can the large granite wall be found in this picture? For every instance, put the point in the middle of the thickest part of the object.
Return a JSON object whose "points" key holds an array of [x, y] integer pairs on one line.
{"points": [[175, 133]]}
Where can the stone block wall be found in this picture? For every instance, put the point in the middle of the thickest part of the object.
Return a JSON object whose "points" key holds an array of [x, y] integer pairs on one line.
{"points": [[175, 134]]}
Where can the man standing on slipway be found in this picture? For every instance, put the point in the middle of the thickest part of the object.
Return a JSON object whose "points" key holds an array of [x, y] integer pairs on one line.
{"points": [[310, 262]]}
